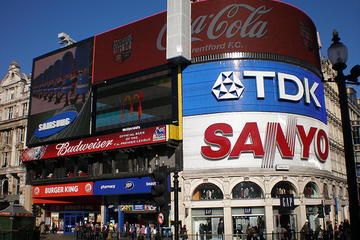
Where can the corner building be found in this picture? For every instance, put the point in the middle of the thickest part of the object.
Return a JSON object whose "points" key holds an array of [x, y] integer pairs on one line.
{"points": [[245, 122]]}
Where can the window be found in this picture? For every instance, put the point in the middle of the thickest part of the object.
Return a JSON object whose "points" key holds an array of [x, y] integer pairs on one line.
{"points": [[4, 161], [7, 137], [310, 190], [24, 109], [207, 191], [12, 94], [21, 135], [10, 112], [281, 188], [245, 190]]}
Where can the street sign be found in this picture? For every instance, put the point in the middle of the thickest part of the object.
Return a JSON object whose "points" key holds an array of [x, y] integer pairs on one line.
{"points": [[160, 218]]}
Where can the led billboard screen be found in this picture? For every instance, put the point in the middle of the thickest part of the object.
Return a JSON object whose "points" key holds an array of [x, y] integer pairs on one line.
{"points": [[143, 101], [60, 95]]}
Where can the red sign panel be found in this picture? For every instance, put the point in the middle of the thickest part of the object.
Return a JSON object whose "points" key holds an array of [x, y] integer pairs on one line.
{"points": [[63, 190], [218, 27], [95, 144]]}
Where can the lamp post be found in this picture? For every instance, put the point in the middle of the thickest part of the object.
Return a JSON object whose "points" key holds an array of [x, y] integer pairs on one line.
{"points": [[338, 54]]}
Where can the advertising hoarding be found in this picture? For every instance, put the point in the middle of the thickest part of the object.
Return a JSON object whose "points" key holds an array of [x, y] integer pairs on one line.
{"points": [[250, 85], [255, 140], [253, 114], [60, 95], [143, 101], [124, 186], [94, 144], [63, 190], [253, 29]]}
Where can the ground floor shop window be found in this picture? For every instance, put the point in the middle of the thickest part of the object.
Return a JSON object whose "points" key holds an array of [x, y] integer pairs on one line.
{"points": [[312, 216], [208, 223], [284, 221], [248, 220]]}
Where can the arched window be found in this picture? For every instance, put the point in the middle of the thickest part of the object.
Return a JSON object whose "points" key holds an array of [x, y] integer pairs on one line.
{"points": [[245, 190], [311, 190], [326, 191], [207, 191], [281, 188]]}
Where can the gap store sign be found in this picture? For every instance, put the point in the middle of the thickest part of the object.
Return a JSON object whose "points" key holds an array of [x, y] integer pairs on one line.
{"points": [[253, 114]]}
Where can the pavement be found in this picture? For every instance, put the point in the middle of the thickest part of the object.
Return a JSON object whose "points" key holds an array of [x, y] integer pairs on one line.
{"points": [[58, 236]]}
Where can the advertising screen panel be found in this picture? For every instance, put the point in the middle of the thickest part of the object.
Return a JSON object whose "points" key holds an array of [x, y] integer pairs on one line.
{"points": [[250, 85], [60, 95], [123, 186], [259, 29], [140, 101]]}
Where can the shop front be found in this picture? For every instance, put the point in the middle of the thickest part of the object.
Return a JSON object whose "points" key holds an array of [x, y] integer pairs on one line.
{"points": [[64, 208], [127, 200]]}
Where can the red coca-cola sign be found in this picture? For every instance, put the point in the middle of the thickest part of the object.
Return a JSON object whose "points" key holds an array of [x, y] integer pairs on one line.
{"points": [[260, 29], [95, 144]]}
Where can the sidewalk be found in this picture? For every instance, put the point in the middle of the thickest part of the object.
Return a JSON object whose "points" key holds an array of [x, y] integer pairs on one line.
{"points": [[58, 236]]}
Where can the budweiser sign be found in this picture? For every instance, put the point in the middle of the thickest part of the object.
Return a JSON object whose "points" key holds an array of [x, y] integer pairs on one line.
{"points": [[95, 144]]}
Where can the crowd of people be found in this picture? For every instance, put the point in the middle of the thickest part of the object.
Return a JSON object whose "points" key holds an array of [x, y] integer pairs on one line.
{"points": [[341, 232]]}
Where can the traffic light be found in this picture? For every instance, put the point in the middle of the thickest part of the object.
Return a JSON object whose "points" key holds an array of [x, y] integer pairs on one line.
{"points": [[320, 211], [36, 211], [160, 191]]}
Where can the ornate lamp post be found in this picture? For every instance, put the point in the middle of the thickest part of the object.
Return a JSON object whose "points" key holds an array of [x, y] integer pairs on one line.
{"points": [[338, 54]]}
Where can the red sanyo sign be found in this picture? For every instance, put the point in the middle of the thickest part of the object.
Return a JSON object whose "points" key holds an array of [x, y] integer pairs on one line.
{"points": [[217, 135], [218, 26]]}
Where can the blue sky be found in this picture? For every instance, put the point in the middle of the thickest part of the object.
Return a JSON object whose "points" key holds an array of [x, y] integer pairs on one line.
{"points": [[29, 28]]}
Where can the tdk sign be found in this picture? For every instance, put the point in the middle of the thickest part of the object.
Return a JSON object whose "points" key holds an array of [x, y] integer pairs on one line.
{"points": [[249, 85], [55, 124]]}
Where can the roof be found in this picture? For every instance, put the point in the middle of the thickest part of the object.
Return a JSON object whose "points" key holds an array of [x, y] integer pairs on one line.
{"points": [[15, 210]]}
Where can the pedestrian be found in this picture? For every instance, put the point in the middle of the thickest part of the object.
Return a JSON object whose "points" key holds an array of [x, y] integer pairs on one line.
{"points": [[183, 232], [306, 232]]}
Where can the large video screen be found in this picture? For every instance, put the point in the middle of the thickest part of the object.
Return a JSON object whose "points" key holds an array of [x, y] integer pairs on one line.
{"points": [[136, 102], [60, 100]]}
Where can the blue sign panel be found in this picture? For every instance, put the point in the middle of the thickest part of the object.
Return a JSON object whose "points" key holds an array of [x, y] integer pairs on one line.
{"points": [[55, 124], [252, 85], [287, 201], [123, 186]]}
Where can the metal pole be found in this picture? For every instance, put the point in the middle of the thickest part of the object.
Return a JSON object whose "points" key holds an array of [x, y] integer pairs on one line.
{"points": [[176, 205], [349, 156]]}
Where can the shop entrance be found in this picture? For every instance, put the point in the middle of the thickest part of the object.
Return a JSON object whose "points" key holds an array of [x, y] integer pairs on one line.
{"points": [[71, 219], [140, 218], [281, 221]]}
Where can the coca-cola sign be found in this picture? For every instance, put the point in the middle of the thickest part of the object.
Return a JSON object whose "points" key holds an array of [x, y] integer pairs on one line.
{"points": [[273, 29], [94, 144]]}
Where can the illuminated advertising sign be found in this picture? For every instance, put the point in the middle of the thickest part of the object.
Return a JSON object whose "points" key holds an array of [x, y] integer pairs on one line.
{"points": [[123, 186], [245, 28], [94, 144], [60, 95], [249, 85], [255, 140], [63, 190], [143, 101], [257, 114]]}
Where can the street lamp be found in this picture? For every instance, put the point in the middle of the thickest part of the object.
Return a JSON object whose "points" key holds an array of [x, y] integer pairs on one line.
{"points": [[338, 54]]}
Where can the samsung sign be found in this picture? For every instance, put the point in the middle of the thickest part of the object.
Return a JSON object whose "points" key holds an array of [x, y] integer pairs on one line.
{"points": [[55, 124], [249, 85]]}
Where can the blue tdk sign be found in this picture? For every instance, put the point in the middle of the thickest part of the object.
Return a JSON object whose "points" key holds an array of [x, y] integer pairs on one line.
{"points": [[55, 124], [252, 86]]}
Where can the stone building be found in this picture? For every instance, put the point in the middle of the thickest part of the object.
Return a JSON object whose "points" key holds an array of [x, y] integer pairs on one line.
{"points": [[14, 97]]}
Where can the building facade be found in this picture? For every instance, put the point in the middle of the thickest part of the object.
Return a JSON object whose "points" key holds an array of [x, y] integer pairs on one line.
{"points": [[248, 123], [14, 98]]}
